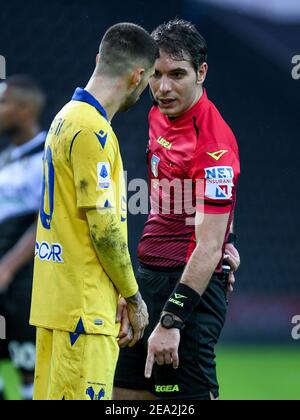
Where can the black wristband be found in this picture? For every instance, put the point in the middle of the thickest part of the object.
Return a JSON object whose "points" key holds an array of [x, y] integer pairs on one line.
{"points": [[182, 302], [232, 238]]}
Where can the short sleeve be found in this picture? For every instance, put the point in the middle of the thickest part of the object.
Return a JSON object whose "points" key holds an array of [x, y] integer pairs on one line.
{"points": [[215, 173], [92, 161]]}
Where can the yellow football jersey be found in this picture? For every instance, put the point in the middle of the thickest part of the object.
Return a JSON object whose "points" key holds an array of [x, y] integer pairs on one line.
{"points": [[82, 169]]}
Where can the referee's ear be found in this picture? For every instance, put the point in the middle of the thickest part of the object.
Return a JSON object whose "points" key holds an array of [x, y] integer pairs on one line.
{"points": [[202, 73]]}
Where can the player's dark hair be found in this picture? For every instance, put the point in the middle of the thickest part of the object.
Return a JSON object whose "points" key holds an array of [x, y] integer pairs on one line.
{"points": [[125, 45], [179, 37], [27, 91]]}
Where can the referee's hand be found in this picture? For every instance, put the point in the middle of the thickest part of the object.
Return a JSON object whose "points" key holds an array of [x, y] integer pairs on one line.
{"points": [[232, 257], [162, 349]]}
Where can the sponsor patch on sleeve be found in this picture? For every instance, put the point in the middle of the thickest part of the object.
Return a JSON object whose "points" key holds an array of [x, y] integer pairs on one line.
{"points": [[219, 182], [104, 177]]}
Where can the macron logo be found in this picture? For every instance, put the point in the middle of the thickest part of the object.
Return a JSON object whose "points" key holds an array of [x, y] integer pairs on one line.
{"points": [[217, 155]]}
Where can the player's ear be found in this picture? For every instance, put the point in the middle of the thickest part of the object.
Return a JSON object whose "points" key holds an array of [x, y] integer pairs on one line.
{"points": [[202, 73], [137, 76], [97, 59]]}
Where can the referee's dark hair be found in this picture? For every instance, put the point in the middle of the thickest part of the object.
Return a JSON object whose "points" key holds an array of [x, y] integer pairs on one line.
{"points": [[124, 46], [179, 37], [27, 92]]}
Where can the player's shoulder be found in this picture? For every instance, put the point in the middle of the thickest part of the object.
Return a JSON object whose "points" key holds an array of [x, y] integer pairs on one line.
{"points": [[80, 118], [80, 115]]}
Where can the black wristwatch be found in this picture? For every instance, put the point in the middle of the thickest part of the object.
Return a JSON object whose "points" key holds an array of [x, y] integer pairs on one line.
{"points": [[168, 321]]}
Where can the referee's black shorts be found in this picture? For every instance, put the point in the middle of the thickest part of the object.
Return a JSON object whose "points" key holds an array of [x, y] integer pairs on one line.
{"points": [[196, 376]]}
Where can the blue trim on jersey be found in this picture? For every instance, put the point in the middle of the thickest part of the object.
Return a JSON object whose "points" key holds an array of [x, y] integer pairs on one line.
{"points": [[80, 328], [107, 204], [82, 95], [74, 337], [78, 332]]}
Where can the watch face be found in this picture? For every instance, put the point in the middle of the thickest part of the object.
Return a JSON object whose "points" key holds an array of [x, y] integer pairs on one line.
{"points": [[167, 321]]}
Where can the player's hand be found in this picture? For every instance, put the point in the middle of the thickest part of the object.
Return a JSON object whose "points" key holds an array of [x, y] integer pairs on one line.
{"points": [[126, 334], [6, 277], [232, 256], [138, 317], [163, 347]]}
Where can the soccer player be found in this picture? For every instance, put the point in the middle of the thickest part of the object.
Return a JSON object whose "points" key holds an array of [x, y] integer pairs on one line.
{"points": [[21, 105], [180, 274], [82, 261]]}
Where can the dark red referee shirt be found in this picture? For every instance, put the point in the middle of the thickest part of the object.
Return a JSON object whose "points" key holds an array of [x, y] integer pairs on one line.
{"points": [[196, 152]]}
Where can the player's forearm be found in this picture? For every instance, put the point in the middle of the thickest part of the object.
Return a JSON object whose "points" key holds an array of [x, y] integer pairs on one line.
{"points": [[201, 267], [22, 253], [112, 251]]}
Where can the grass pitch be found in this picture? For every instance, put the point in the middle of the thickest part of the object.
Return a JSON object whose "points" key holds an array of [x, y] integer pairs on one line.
{"points": [[259, 373]]}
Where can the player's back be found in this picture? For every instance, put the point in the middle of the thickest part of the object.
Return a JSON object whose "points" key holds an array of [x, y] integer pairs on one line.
{"points": [[69, 283]]}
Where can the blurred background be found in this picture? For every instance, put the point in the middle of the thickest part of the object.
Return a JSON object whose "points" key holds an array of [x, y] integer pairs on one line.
{"points": [[251, 47]]}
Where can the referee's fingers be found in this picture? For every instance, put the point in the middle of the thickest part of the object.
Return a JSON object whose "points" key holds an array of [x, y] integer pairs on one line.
{"points": [[232, 261], [175, 359], [149, 364], [231, 278], [168, 359]]}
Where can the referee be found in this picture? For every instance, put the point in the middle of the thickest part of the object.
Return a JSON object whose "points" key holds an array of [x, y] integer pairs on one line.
{"points": [[180, 274]]}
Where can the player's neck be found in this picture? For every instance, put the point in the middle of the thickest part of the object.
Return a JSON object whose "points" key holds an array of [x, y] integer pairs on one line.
{"points": [[107, 92]]}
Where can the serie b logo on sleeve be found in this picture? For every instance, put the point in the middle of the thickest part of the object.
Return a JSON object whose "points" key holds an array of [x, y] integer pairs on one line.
{"points": [[103, 171], [219, 182]]}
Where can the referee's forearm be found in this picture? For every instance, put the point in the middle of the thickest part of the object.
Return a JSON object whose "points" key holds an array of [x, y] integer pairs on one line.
{"points": [[112, 251], [201, 267]]}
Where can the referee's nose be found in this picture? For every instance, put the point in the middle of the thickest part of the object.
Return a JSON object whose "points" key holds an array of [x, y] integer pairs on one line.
{"points": [[165, 85]]}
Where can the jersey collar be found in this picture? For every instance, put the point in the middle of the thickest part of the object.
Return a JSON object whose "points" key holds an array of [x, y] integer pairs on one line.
{"points": [[84, 96]]}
